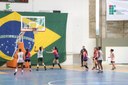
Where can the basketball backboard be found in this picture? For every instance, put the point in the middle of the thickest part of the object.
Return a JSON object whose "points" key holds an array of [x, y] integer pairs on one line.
{"points": [[28, 23]]}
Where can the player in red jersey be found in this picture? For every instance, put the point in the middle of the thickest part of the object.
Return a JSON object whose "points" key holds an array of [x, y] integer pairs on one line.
{"points": [[56, 56], [95, 58]]}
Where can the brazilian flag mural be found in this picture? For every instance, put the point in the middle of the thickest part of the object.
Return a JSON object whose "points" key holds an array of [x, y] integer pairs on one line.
{"points": [[54, 35]]}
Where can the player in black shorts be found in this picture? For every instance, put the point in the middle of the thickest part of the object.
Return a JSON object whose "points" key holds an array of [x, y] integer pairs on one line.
{"points": [[27, 58]]}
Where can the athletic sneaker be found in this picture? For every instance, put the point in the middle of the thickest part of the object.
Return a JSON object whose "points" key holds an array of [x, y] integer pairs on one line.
{"points": [[113, 68], [37, 69], [22, 73], [14, 73], [93, 68], [45, 68], [100, 71]]}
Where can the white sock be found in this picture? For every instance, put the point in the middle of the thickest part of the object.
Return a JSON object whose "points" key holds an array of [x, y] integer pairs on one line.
{"points": [[16, 70], [22, 71]]}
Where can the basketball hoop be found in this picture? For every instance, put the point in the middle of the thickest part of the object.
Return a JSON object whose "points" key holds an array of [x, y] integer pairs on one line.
{"points": [[35, 30]]}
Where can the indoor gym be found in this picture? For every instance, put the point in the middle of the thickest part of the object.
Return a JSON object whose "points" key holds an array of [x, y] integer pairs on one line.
{"points": [[68, 25]]}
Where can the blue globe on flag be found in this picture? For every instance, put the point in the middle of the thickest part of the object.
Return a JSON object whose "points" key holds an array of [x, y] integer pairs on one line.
{"points": [[8, 35]]}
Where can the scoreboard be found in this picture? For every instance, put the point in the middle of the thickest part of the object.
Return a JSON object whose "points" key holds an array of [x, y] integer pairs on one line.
{"points": [[17, 1]]}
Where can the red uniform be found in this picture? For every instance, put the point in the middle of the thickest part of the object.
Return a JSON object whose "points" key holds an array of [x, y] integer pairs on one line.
{"points": [[55, 53], [84, 56]]}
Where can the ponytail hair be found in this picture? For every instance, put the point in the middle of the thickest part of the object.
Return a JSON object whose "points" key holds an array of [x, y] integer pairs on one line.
{"points": [[56, 48], [26, 52]]}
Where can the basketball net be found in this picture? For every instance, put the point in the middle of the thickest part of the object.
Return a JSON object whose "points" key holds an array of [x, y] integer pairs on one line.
{"points": [[35, 30]]}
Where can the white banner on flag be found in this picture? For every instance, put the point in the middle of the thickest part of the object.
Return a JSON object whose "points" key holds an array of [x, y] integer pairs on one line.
{"points": [[117, 10]]}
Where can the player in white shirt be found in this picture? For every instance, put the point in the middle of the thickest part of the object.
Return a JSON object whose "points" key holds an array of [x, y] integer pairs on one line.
{"points": [[100, 59], [112, 56], [40, 58], [20, 61]]}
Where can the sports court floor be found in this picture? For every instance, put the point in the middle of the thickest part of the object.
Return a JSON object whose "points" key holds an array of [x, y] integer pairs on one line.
{"points": [[69, 75]]}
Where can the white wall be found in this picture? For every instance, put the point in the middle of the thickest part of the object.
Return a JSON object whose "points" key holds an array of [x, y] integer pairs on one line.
{"points": [[121, 54], [78, 20]]}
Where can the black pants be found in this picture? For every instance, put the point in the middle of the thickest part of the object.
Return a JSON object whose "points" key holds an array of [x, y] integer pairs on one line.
{"points": [[81, 60]]}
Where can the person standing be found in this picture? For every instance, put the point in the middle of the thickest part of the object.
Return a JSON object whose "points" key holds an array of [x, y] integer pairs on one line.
{"points": [[100, 59], [112, 56], [95, 55], [20, 61], [27, 58], [85, 59], [40, 58], [56, 56], [81, 54]]}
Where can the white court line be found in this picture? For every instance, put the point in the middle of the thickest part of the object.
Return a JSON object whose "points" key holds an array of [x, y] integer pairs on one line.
{"points": [[51, 82], [95, 82], [79, 83]]}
